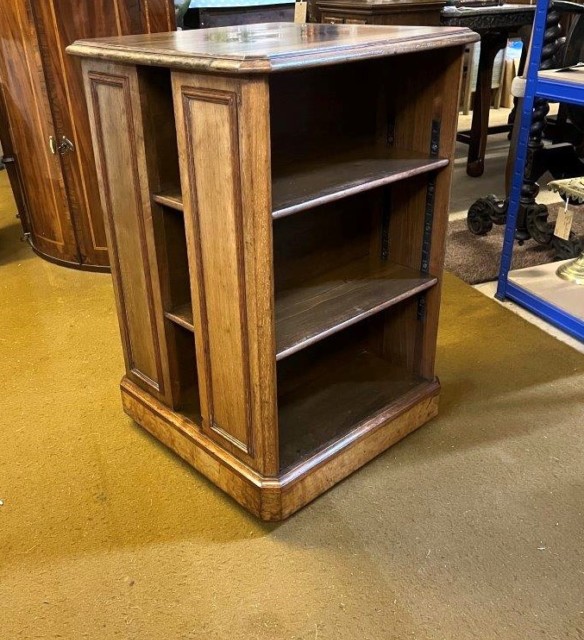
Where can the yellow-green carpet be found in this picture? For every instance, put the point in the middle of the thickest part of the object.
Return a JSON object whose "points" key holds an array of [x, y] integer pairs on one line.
{"points": [[472, 527]]}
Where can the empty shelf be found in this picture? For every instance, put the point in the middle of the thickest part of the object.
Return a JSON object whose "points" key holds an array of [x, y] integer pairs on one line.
{"points": [[307, 183], [182, 315], [171, 198], [342, 392], [339, 298]]}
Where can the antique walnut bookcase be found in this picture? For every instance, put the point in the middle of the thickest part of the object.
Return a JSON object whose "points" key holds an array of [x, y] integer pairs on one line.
{"points": [[276, 200]]}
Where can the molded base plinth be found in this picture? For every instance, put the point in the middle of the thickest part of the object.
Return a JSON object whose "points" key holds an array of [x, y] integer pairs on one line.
{"points": [[274, 499]]}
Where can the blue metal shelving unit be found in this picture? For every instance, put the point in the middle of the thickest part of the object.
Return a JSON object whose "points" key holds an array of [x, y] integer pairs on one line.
{"points": [[553, 89]]}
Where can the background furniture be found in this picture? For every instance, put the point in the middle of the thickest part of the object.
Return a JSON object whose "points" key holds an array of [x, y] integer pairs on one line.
{"points": [[495, 25], [561, 157], [279, 300], [205, 14], [470, 78], [400, 12], [540, 290], [45, 130], [7, 157]]}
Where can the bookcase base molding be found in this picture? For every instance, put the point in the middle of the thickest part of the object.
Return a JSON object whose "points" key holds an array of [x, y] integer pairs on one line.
{"points": [[274, 499]]}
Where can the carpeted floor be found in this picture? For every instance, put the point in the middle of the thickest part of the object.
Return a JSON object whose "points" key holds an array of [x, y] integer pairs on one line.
{"points": [[476, 259], [472, 527]]}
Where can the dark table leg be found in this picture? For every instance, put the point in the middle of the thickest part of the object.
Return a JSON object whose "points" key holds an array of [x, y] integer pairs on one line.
{"points": [[491, 43]]}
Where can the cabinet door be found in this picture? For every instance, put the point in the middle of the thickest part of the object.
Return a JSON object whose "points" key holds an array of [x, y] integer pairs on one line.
{"points": [[31, 126], [59, 23]]}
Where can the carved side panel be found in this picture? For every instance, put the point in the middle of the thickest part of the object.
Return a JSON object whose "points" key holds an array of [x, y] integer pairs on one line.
{"points": [[116, 124], [222, 127]]}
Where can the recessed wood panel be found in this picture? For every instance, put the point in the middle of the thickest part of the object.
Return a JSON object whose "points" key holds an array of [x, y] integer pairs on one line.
{"points": [[222, 127], [114, 117], [222, 271]]}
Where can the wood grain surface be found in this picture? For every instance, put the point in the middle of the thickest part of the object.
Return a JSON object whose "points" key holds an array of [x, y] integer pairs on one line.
{"points": [[317, 308], [230, 249], [313, 181], [261, 48], [24, 83], [116, 110]]}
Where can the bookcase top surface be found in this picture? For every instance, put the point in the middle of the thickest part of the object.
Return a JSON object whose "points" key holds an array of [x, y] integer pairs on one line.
{"points": [[262, 48]]}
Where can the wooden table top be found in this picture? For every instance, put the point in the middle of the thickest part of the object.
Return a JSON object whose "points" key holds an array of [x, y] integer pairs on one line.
{"points": [[262, 48]]}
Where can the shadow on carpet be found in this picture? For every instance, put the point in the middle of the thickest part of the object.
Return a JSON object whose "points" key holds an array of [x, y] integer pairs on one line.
{"points": [[475, 259]]}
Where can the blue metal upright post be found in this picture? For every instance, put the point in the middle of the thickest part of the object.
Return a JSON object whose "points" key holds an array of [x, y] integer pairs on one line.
{"points": [[549, 86], [521, 153]]}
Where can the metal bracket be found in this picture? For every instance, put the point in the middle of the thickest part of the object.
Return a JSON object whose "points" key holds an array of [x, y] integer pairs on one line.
{"points": [[428, 223], [430, 198], [435, 138], [421, 313], [385, 215], [429, 215]]}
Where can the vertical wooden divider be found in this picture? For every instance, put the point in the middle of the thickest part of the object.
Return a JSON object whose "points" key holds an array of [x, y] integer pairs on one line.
{"points": [[224, 150]]}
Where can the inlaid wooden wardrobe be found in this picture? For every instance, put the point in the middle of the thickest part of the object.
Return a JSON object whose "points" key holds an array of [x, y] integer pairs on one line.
{"points": [[44, 128]]}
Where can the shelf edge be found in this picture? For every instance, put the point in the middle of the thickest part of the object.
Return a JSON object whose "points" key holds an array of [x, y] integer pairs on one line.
{"points": [[284, 353], [433, 165]]}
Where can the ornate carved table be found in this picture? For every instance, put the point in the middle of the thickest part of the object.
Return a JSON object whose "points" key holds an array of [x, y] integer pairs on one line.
{"points": [[495, 25]]}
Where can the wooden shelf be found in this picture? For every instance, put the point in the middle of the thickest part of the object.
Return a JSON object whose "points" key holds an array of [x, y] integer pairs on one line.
{"points": [[332, 302], [339, 298], [172, 198], [304, 184], [301, 185], [337, 397], [182, 315]]}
